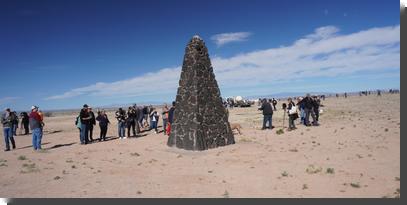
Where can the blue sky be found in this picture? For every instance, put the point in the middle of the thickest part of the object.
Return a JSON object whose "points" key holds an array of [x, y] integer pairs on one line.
{"points": [[62, 54]]}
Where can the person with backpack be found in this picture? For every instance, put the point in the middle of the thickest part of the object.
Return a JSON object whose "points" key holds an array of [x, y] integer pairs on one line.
{"points": [[7, 122], [292, 114], [121, 123], [309, 110], [103, 124], [267, 114]]}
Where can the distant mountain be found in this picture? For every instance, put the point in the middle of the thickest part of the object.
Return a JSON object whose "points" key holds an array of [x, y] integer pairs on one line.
{"points": [[286, 95]]}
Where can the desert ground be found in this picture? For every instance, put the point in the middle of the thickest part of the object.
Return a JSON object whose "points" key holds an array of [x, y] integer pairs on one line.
{"points": [[355, 152]]}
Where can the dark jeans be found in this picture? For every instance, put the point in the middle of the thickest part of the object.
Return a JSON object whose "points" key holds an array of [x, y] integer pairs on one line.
{"points": [[90, 129], [165, 125], [267, 118], [131, 126], [84, 134], [153, 125], [103, 132], [309, 112], [291, 124], [316, 114], [26, 128], [121, 128], [8, 136]]}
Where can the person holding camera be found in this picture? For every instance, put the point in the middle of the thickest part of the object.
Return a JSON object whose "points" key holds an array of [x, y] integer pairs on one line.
{"points": [[36, 125], [121, 123], [131, 121], [292, 114], [7, 119]]}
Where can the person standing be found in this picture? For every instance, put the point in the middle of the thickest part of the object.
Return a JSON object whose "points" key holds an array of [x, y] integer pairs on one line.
{"points": [[165, 118], [131, 121], [7, 122], [103, 124], [78, 125], [300, 104], [140, 117], [25, 122], [85, 120], [316, 105], [92, 123], [275, 104], [309, 110], [292, 114], [121, 123], [267, 114], [15, 122], [154, 120], [36, 125], [170, 118]]}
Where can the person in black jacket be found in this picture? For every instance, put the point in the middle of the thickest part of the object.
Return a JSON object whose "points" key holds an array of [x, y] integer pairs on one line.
{"points": [[121, 123], [92, 122], [317, 103], [170, 118], [25, 122], [103, 124], [274, 104], [267, 114], [309, 110], [131, 121]]}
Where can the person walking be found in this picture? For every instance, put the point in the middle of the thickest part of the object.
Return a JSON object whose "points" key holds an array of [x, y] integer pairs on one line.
{"points": [[7, 122], [92, 122], [121, 123], [267, 114], [165, 117], [170, 118], [85, 121], [292, 114], [103, 124], [36, 125]]}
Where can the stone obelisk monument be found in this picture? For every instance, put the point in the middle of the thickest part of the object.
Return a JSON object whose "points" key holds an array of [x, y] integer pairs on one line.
{"points": [[200, 119]]}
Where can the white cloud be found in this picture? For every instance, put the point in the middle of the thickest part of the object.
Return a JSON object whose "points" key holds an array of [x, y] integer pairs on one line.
{"points": [[324, 53], [7, 100], [225, 38]]}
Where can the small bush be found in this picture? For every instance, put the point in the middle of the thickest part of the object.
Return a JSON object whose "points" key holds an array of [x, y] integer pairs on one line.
{"points": [[284, 174], [280, 131], [330, 170], [22, 157], [355, 185]]}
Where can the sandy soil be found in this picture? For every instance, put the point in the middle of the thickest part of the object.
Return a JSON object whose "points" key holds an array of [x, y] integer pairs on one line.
{"points": [[358, 140]]}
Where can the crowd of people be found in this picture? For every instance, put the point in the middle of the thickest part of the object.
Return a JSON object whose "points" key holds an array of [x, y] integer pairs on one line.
{"points": [[136, 120], [33, 121], [303, 108]]}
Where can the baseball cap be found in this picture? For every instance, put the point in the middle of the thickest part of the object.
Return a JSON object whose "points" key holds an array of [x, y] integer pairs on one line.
{"points": [[85, 106]]}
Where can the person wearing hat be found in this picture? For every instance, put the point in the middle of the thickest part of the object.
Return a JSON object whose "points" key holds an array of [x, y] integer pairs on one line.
{"points": [[7, 122], [36, 125], [85, 120]]}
